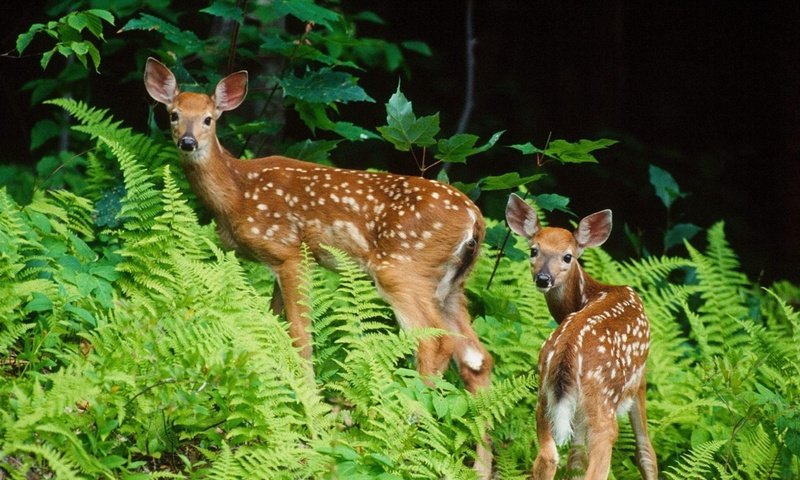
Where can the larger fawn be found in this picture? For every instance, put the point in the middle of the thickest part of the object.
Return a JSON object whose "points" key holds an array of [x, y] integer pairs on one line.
{"points": [[592, 367], [417, 238]]}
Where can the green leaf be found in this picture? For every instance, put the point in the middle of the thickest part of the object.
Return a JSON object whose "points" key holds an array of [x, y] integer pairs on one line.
{"points": [[77, 21], [312, 151], [567, 152], [225, 10], [418, 47], [507, 181], [680, 232], [82, 314], [113, 461], [91, 22], [24, 39], [94, 54], [354, 133], [102, 14], [345, 452], [39, 303], [440, 406], [325, 86], [665, 185], [80, 48], [382, 459], [552, 201], [307, 11], [403, 128], [368, 16], [43, 131], [46, 58], [496, 235], [186, 39], [458, 406], [457, 148]]}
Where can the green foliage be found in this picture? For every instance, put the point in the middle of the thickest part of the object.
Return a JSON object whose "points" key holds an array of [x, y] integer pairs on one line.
{"points": [[143, 348], [133, 346], [404, 130], [666, 187], [68, 32], [668, 191], [567, 152]]}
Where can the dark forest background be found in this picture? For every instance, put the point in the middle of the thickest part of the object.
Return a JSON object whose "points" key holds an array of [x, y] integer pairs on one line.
{"points": [[709, 91]]}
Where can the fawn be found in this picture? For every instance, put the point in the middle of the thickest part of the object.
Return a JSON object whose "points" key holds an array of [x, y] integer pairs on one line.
{"points": [[418, 239], [592, 367]]}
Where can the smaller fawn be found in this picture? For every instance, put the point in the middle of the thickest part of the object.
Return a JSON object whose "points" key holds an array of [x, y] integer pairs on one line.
{"points": [[592, 368]]}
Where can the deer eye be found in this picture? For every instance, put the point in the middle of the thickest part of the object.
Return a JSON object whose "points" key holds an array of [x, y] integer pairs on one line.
{"points": [[207, 121], [567, 258], [534, 251], [173, 117]]}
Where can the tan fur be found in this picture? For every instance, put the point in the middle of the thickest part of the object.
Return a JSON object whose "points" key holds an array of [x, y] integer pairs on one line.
{"points": [[417, 238], [592, 367]]}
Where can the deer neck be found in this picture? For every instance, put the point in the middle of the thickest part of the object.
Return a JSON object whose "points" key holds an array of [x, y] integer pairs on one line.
{"points": [[574, 293], [214, 179]]}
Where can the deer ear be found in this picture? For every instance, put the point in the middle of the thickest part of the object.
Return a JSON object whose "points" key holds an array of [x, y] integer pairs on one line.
{"points": [[521, 217], [230, 91], [160, 82], [593, 230]]}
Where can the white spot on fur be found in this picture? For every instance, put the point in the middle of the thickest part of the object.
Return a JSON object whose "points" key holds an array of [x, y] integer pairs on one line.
{"points": [[473, 358]]}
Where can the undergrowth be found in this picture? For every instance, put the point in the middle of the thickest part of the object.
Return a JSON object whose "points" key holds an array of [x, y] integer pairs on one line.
{"points": [[133, 346]]}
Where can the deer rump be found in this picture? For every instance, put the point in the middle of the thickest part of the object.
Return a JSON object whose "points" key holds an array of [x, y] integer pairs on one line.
{"points": [[589, 357]]}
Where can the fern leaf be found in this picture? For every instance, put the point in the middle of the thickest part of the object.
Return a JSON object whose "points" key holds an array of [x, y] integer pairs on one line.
{"points": [[759, 454], [698, 463]]}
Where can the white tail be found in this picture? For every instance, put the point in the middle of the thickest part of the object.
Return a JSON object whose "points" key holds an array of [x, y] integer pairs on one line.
{"points": [[417, 238], [592, 367]]}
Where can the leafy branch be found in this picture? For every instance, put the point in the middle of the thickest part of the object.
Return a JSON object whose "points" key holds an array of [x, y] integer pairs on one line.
{"points": [[68, 32]]}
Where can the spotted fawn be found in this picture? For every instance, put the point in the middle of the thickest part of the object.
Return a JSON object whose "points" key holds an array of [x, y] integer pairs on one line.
{"points": [[418, 239], [592, 368]]}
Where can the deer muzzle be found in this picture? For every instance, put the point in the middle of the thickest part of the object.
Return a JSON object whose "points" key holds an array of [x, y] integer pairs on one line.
{"points": [[543, 280], [187, 143]]}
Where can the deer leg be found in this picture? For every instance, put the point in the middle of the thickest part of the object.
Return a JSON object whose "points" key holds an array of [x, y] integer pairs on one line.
{"points": [[577, 459], [413, 305], [601, 435], [645, 455], [546, 463], [297, 312], [474, 364], [473, 360], [276, 303]]}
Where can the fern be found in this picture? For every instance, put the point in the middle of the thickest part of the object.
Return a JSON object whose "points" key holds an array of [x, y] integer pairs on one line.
{"points": [[141, 348], [53, 461], [761, 453], [721, 288], [699, 463]]}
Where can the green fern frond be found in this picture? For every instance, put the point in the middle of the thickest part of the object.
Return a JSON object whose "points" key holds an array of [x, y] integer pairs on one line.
{"points": [[759, 454], [602, 267], [10, 333], [77, 212], [698, 463], [721, 288], [494, 403], [99, 124], [53, 461]]}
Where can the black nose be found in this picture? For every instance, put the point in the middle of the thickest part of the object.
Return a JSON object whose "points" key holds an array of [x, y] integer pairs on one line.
{"points": [[187, 144], [542, 280]]}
